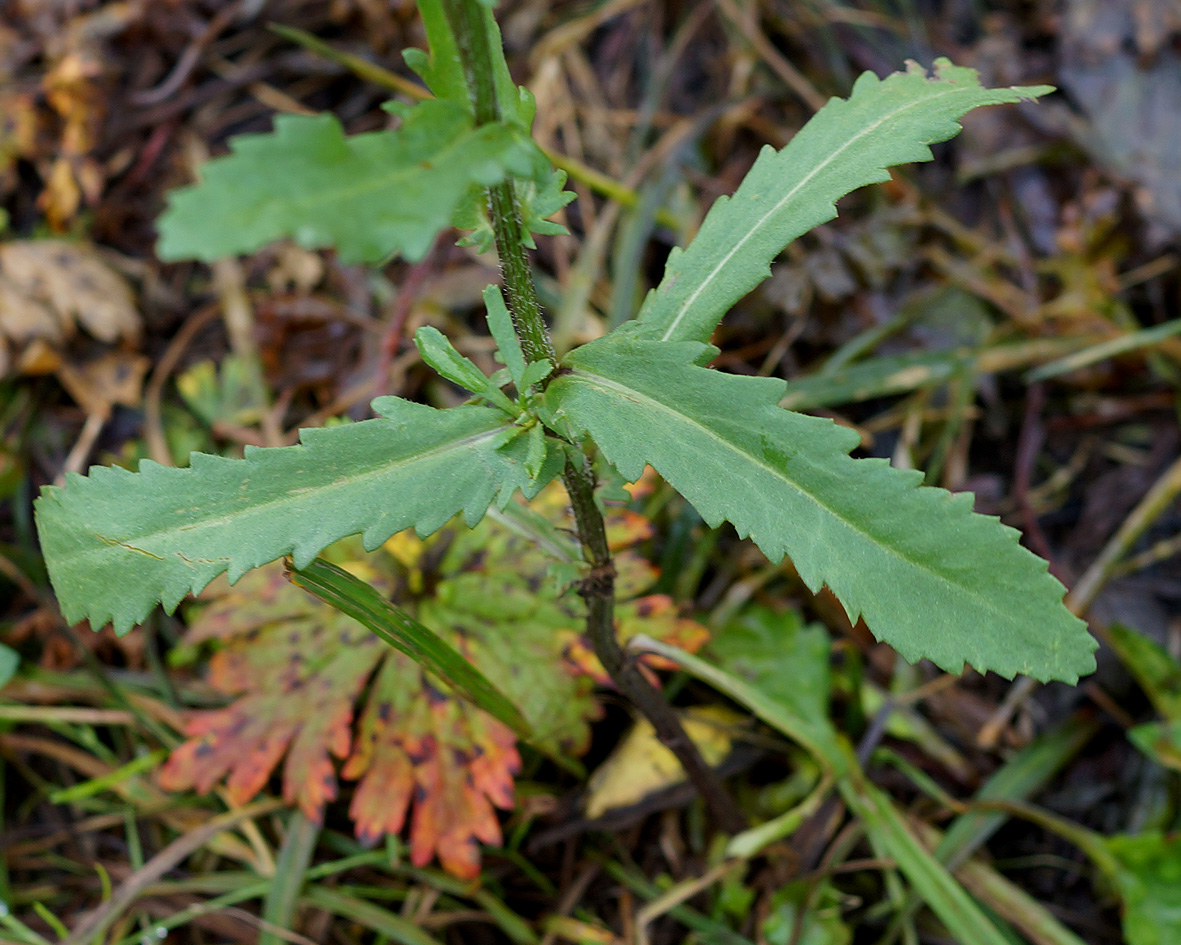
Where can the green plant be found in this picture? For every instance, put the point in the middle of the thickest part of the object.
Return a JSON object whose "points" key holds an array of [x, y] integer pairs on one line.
{"points": [[929, 576]]}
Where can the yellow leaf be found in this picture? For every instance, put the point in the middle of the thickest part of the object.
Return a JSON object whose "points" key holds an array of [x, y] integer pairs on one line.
{"points": [[641, 766]]}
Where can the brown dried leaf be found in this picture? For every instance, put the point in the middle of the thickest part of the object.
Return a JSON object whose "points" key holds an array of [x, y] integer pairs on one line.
{"points": [[114, 378], [48, 287]]}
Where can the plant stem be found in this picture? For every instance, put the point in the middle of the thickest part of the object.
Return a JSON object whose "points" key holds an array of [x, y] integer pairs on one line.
{"points": [[598, 589], [475, 54]]}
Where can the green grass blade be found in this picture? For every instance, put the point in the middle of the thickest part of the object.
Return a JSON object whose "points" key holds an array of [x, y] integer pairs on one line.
{"points": [[295, 856], [363, 603], [388, 924], [891, 836], [882, 821]]}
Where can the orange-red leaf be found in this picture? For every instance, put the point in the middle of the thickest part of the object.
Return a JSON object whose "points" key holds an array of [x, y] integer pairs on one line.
{"points": [[420, 758], [299, 679]]}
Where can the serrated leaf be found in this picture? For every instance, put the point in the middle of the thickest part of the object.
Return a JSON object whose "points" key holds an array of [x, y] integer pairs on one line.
{"points": [[846, 145], [117, 542], [441, 68], [419, 754], [440, 760], [297, 690], [537, 202], [366, 195], [931, 578]]}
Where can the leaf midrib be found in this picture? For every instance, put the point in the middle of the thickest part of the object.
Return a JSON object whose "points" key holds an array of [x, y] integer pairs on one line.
{"points": [[288, 497], [721, 264], [630, 392]]}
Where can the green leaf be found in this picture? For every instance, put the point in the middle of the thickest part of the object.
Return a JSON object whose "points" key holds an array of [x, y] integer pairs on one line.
{"points": [[367, 195], [117, 542], [440, 69], [931, 578], [846, 145], [438, 351], [350, 595], [883, 822], [537, 201], [894, 840], [1160, 741], [536, 372], [508, 345], [1157, 672], [784, 659], [1147, 874], [9, 663]]}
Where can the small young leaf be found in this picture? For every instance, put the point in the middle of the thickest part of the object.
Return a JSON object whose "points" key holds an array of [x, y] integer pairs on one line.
{"points": [[359, 600], [537, 450], [847, 144], [442, 71], [437, 351], [537, 201], [931, 578], [500, 323], [441, 68], [117, 542], [536, 372], [368, 195]]}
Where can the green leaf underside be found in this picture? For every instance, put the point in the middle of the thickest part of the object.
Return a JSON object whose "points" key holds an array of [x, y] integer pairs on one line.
{"points": [[367, 195], [848, 144], [117, 542], [931, 578]]}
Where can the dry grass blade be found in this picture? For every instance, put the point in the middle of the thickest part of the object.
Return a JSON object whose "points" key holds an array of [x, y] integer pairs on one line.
{"points": [[99, 921]]}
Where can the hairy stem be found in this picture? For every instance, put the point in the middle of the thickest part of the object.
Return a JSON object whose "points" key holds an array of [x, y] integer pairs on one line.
{"points": [[598, 589], [467, 24]]}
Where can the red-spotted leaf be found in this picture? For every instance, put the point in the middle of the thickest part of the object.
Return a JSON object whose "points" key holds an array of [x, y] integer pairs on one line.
{"points": [[420, 756], [297, 672], [454, 761]]}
